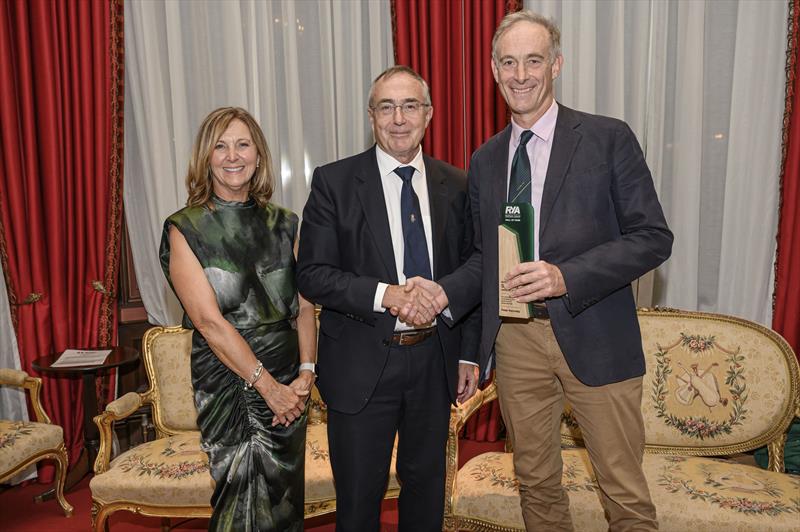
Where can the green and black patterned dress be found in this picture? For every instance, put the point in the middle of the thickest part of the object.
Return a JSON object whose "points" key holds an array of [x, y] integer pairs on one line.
{"points": [[247, 255]]}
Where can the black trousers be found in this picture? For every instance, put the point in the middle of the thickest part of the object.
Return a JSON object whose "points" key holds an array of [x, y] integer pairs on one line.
{"points": [[411, 401]]}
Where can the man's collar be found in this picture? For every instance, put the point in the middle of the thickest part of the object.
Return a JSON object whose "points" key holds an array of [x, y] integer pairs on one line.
{"points": [[387, 163], [543, 128]]}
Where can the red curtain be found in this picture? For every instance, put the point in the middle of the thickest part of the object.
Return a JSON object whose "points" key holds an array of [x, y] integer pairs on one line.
{"points": [[60, 186], [449, 43], [786, 317]]}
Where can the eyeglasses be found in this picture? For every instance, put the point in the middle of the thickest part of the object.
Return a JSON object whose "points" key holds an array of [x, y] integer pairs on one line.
{"points": [[407, 108]]}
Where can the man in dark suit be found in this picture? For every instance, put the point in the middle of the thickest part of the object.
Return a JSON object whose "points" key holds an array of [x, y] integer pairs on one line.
{"points": [[371, 221], [599, 226]]}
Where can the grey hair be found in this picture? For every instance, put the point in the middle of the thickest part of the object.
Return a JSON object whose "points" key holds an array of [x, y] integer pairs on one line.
{"points": [[527, 15], [401, 69]]}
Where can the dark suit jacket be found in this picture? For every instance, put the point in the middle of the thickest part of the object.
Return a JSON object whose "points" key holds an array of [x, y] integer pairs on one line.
{"points": [[346, 249], [600, 223]]}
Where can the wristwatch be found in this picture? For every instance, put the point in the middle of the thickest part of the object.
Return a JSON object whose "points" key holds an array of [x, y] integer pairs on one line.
{"points": [[310, 366]]}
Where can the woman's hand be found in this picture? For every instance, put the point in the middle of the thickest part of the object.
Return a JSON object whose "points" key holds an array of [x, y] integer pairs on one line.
{"points": [[286, 402]]}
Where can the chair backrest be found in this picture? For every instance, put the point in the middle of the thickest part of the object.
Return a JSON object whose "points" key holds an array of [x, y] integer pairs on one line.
{"points": [[715, 384], [167, 353]]}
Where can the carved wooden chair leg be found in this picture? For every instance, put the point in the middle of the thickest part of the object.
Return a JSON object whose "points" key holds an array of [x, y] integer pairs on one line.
{"points": [[98, 520], [61, 475]]}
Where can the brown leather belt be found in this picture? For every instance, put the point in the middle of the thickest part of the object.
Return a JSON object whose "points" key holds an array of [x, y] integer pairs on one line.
{"points": [[539, 311], [412, 337]]}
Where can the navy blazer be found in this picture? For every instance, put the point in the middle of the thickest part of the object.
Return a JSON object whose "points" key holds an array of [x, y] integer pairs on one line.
{"points": [[600, 222], [346, 249]]}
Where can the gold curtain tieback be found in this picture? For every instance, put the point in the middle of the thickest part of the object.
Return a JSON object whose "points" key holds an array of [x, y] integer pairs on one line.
{"points": [[33, 297], [100, 287]]}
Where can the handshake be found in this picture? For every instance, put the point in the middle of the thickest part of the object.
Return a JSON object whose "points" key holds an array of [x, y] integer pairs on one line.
{"points": [[417, 302]]}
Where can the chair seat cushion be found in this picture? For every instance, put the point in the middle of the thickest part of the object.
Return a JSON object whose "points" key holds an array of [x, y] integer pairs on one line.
{"points": [[690, 493], [21, 440], [174, 471], [170, 471]]}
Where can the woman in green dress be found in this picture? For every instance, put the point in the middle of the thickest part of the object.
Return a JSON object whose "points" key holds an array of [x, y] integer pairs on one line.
{"points": [[230, 257]]}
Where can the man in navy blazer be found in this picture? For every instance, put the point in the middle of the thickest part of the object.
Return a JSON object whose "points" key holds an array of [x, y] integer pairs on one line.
{"points": [[599, 226], [379, 376]]}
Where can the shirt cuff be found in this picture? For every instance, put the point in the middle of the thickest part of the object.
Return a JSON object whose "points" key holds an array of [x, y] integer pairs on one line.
{"points": [[468, 362], [377, 303]]}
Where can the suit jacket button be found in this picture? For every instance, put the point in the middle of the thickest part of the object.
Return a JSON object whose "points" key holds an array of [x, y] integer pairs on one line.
{"points": [[386, 343]]}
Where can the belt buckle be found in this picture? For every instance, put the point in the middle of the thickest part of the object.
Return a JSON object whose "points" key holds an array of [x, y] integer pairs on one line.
{"points": [[413, 337], [407, 338]]}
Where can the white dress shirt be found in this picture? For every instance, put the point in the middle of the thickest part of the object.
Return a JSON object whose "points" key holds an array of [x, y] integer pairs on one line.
{"points": [[392, 186]]}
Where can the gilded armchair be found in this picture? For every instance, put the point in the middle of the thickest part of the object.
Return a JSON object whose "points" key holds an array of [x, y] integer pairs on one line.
{"points": [[23, 443], [169, 476]]}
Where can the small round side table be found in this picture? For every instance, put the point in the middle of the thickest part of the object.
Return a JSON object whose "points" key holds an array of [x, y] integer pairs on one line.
{"points": [[118, 358]]}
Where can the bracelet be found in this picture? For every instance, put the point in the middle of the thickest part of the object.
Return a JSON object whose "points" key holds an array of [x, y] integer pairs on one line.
{"points": [[255, 376]]}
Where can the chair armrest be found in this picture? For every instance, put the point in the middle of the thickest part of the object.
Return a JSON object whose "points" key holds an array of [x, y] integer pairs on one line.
{"points": [[20, 379], [12, 377], [125, 405], [777, 447], [459, 415], [115, 410]]}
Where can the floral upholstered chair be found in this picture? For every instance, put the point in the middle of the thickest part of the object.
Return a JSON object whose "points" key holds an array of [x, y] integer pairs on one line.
{"points": [[715, 386], [23, 443], [169, 476]]}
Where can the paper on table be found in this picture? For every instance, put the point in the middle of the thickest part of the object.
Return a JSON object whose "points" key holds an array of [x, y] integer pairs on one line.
{"points": [[77, 357]]}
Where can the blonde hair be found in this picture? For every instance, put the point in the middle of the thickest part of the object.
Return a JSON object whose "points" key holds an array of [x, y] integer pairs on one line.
{"points": [[198, 177], [527, 15]]}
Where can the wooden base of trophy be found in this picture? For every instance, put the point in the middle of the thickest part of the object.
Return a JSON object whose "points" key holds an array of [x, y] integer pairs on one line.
{"points": [[509, 256]]}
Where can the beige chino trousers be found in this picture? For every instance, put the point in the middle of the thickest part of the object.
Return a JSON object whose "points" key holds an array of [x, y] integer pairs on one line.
{"points": [[533, 381]]}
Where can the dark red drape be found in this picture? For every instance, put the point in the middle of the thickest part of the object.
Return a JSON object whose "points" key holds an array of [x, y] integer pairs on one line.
{"points": [[449, 44], [60, 185], [786, 317]]}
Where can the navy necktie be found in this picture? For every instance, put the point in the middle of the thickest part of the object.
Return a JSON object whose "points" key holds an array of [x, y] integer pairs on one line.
{"points": [[415, 248], [519, 186]]}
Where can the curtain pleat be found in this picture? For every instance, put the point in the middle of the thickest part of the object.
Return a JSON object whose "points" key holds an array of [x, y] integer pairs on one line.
{"points": [[786, 315], [60, 184]]}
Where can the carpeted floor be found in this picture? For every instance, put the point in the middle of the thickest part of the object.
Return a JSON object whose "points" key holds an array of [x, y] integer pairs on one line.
{"points": [[19, 513]]}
